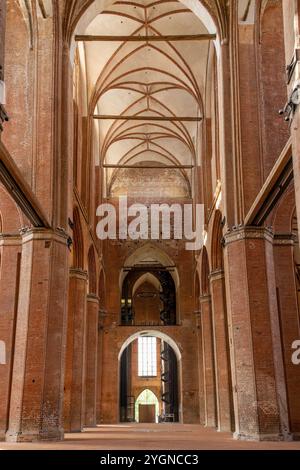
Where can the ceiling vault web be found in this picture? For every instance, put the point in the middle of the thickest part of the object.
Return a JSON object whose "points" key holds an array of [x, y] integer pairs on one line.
{"points": [[146, 72]]}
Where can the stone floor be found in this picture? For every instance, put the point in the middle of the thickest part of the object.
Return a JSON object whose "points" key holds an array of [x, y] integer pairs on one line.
{"points": [[151, 437]]}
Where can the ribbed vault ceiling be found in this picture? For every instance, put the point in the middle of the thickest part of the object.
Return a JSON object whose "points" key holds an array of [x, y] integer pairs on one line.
{"points": [[161, 78]]}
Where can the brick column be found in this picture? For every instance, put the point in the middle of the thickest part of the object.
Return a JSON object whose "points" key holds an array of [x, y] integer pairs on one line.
{"points": [[295, 131], [91, 360], [3, 115], [102, 314], [293, 63], [200, 368], [222, 356], [2, 36], [75, 357], [208, 361], [38, 370], [10, 255], [289, 327], [251, 312]]}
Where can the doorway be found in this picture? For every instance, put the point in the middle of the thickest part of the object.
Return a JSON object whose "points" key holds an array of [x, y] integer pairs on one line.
{"points": [[147, 407], [149, 380]]}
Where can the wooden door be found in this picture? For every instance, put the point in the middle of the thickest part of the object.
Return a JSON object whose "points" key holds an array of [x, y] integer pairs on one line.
{"points": [[147, 413]]}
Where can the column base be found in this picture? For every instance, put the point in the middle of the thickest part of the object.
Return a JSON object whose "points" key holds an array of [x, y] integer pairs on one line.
{"points": [[210, 426], [224, 428], [258, 437], [73, 431], [12, 436], [93, 424]]}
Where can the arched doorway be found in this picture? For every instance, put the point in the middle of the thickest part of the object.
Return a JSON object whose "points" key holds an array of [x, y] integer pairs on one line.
{"points": [[147, 407], [150, 360]]}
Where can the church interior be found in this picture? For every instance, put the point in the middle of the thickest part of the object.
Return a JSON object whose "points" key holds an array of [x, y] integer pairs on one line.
{"points": [[136, 343]]}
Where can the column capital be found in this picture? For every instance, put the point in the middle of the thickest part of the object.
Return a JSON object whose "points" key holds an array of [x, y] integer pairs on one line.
{"points": [[48, 234], [248, 233], [284, 239], [78, 274], [10, 239], [205, 298], [93, 298], [102, 315], [217, 274]]}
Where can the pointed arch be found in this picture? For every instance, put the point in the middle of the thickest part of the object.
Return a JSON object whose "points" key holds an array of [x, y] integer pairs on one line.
{"points": [[284, 212], [272, 85], [216, 245], [78, 246], [152, 254], [10, 216], [146, 278], [92, 271], [157, 334], [147, 397], [204, 272], [197, 290]]}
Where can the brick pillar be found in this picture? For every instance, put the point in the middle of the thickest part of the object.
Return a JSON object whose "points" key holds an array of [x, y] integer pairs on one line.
{"points": [[250, 301], [2, 36], [38, 370], [208, 361], [222, 355], [75, 357], [292, 49], [3, 115], [102, 314], [295, 131], [200, 369], [289, 327], [10, 255], [91, 360]]}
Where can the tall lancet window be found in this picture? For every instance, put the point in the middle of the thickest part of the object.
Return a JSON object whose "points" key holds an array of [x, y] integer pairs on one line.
{"points": [[147, 358]]}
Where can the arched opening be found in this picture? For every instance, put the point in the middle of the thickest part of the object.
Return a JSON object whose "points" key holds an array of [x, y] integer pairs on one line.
{"points": [[149, 290], [207, 344], [19, 69], [204, 267], [147, 407], [11, 221], [286, 265], [217, 262], [152, 360], [200, 352], [272, 86], [225, 414], [148, 298]]}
